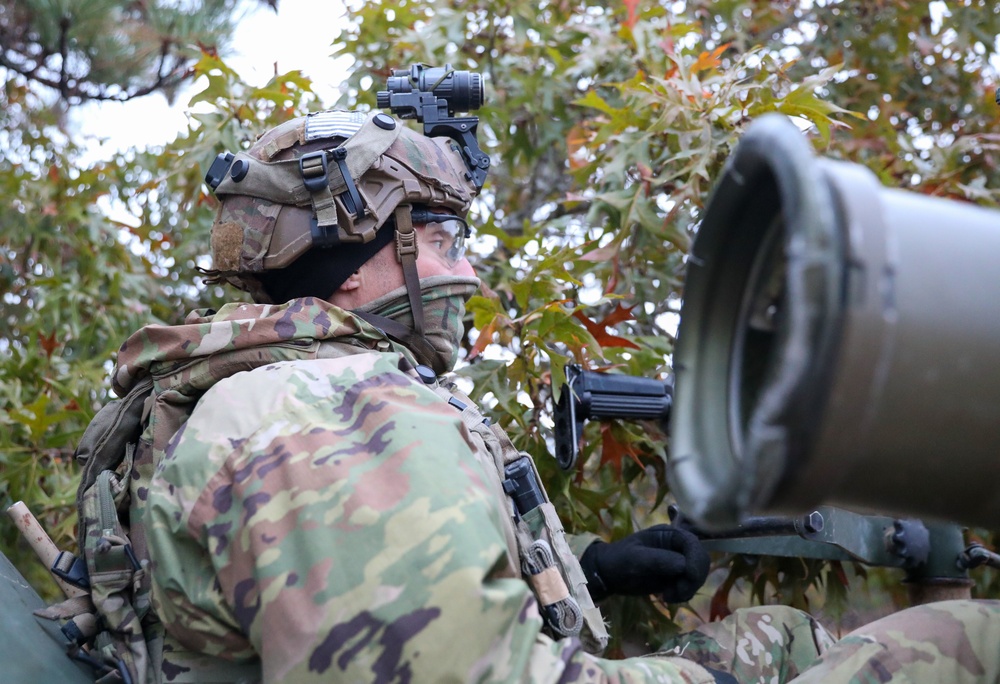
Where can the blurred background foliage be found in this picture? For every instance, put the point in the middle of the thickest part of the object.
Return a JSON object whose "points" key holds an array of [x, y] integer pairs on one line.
{"points": [[607, 124]]}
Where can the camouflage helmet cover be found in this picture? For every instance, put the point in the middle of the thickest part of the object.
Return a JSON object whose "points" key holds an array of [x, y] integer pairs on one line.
{"points": [[280, 192]]}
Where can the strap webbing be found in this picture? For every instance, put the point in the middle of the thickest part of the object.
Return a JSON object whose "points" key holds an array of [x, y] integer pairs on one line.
{"points": [[281, 181], [503, 451], [398, 332], [283, 142], [317, 172], [406, 254]]}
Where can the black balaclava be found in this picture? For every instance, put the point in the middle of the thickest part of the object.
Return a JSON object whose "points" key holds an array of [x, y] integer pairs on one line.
{"points": [[320, 271]]}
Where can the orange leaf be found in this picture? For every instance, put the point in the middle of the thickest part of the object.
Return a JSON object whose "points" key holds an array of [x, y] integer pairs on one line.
{"points": [[709, 60], [485, 337], [576, 344], [631, 6], [576, 141]]}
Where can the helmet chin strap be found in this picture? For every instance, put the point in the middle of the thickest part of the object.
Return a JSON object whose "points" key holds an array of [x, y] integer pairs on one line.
{"points": [[406, 254]]}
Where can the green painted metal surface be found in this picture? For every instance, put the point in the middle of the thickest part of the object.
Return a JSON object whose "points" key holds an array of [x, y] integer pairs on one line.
{"points": [[31, 649]]}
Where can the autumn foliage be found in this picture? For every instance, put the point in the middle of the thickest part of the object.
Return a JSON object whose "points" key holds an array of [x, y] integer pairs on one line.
{"points": [[607, 124]]}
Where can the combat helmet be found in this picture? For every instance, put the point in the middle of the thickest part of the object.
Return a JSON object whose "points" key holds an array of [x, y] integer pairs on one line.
{"points": [[314, 198]]}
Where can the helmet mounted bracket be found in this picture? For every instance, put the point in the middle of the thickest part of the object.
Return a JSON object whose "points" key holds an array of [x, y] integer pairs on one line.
{"points": [[432, 95]]}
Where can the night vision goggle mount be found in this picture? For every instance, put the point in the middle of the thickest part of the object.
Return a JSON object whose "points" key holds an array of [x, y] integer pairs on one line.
{"points": [[432, 95]]}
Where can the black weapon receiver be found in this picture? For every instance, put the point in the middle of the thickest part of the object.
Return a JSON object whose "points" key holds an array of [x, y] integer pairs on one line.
{"points": [[589, 394]]}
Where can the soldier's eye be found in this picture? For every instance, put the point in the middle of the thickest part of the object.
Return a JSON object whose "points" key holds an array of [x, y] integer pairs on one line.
{"points": [[446, 238]]}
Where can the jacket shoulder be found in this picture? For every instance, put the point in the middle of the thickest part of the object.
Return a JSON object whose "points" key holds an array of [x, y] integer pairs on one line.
{"points": [[245, 401]]}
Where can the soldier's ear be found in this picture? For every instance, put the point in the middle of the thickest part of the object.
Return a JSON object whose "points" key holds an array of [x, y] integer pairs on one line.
{"points": [[353, 282]]}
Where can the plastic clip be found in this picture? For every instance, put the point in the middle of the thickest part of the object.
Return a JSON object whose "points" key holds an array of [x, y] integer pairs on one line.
{"points": [[323, 237], [314, 169], [71, 568], [217, 171], [406, 243], [351, 198], [521, 486]]}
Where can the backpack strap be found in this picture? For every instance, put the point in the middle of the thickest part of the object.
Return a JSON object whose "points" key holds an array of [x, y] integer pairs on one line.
{"points": [[547, 562], [117, 424]]}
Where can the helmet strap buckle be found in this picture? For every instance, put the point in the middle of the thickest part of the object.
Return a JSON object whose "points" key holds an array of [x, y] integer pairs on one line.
{"points": [[406, 244]]}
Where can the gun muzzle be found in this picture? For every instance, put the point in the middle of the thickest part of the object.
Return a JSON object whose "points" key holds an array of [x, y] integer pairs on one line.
{"points": [[838, 343]]}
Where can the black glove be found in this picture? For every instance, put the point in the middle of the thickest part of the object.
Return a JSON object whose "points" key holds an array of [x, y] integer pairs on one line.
{"points": [[721, 677], [661, 560]]}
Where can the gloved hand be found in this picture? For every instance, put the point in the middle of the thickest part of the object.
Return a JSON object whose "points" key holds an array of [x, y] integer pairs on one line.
{"points": [[661, 560]]}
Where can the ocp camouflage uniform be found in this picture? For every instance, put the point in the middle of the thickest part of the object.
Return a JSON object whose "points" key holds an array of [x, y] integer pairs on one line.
{"points": [[325, 515], [764, 644], [951, 641], [320, 516]]}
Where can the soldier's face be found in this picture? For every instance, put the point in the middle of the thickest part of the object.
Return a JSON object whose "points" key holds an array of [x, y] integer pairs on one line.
{"points": [[438, 253], [441, 250]]}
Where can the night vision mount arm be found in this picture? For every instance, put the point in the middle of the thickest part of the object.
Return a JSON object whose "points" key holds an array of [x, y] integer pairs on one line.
{"points": [[432, 95]]}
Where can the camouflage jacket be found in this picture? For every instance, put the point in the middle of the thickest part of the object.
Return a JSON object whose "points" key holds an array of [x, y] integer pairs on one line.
{"points": [[321, 516]]}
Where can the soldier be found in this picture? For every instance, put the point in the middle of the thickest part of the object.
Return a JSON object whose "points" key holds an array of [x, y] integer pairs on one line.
{"points": [[317, 505], [327, 511]]}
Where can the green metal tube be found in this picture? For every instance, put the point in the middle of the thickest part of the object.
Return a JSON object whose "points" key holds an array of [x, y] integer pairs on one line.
{"points": [[839, 342]]}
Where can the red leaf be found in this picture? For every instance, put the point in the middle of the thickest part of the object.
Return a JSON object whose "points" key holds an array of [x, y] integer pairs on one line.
{"points": [[616, 269], [209, 50], [603, 337], [601, 254], [613, 280], [838, 571], [667, 44], [618, 315], [613, 450], [48, 344], [719, 606]]}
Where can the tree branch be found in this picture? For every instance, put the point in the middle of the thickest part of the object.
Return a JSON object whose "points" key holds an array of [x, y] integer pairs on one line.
{"points": [[64, 24]]}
